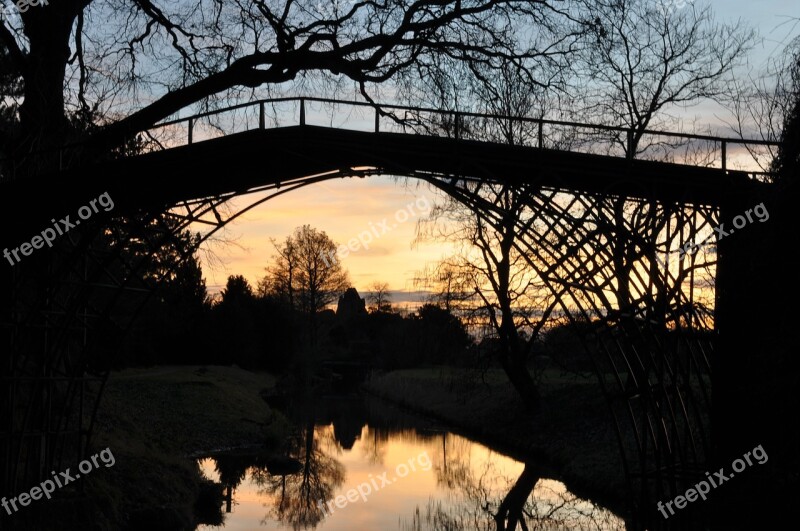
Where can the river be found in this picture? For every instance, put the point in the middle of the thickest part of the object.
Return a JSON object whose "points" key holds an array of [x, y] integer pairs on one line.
{"points": [[356, 463]]}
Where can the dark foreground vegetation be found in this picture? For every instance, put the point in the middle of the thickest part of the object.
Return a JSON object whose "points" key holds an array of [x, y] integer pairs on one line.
{"points": [[155, 422]]}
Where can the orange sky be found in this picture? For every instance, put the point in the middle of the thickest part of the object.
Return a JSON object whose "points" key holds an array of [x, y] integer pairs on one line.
{"points": [[344, 208]]}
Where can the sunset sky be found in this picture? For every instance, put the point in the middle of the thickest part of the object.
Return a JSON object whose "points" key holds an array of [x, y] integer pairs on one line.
{"points": [[346, 207], [343, 208]]}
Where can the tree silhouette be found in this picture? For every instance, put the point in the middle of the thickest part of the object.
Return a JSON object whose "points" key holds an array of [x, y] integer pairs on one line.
{"points": [[787, 162], [483, 497], [81, 57], [237, 291], [505, 296], [299, 499], [305, 272], [645, 58], [169, 266], [379, 297]]}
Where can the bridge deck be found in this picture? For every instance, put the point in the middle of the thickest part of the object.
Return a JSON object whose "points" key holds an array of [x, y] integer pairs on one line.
{"points": [[242, 161]]}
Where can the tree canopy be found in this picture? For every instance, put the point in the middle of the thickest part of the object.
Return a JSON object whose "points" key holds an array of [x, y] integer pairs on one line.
{"points": [[302, 273], [125, 64]]}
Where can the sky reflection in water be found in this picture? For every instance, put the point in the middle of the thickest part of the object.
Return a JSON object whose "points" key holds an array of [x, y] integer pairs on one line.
{"points": [[466, 485]]}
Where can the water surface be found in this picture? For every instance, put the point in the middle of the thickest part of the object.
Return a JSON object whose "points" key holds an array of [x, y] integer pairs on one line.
{"points": [[355, 467]]}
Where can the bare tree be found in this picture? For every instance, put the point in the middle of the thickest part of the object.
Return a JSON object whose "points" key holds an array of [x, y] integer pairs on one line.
{"points": [[533, 87], [379, 297], [298, 500], [136, 62], [301, 276], [760, 103], [787, 162], [442, 284], [505, 293], [647, 58], [488, 283]]}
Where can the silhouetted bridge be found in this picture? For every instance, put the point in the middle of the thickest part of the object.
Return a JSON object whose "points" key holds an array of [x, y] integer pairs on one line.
{"points": [[605, 244], [263, 156]]}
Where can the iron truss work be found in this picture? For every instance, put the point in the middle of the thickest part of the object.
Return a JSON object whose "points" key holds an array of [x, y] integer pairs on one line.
{"points": [[616, 263]]}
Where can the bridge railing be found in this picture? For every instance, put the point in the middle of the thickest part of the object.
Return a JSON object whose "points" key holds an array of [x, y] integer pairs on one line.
{"points": [[726, 153], [750, 155]]}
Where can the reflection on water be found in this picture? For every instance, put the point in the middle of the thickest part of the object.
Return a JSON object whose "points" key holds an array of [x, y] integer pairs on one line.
{"points": [[293, 498], [341, 474]]}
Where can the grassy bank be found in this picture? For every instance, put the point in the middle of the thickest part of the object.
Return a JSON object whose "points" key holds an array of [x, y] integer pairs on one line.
{"points": [[573, 434], [155, 421]]}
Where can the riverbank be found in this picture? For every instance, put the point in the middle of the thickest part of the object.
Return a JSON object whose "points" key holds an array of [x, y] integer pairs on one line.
{"points": [[582, 453], [154, 421]]}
